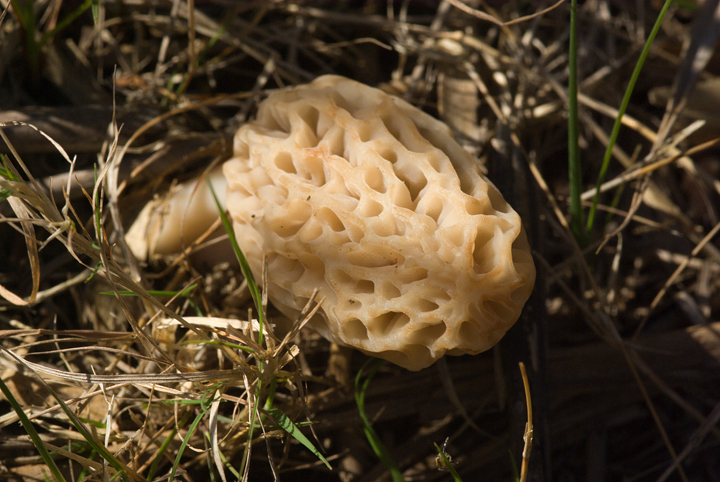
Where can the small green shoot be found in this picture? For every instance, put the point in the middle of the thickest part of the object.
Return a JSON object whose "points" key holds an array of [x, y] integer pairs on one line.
{"points": [[444, 462], [183, 293], [257, 299], [5, 170], [244, 265], [122, 469], [204, 408], [7, 174], [513, 466], [84, 473], [286, 424], [166, 444], [158, 293], [65, 21], [228, 465], [621, 111], [30, 429], [378, 447], [271, 394], [25, 12], [95, 5]]}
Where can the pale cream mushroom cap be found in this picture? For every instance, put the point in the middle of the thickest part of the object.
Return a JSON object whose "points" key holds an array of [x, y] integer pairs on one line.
{"points": [[371, 201]]}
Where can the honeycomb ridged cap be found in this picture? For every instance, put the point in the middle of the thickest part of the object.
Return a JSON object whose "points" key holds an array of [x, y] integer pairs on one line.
{"points": [[370, 201]]}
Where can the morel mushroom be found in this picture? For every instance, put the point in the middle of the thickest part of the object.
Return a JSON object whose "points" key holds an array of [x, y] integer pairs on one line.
{"points": [[364, 197]]}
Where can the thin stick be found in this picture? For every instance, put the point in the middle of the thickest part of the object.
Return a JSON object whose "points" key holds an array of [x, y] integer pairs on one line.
{"points": [[528, 436]]}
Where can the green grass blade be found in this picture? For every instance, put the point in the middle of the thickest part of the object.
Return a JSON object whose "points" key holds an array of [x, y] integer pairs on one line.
{"points": [[257, 299], [182, 293], [7, 174], [448, 464], [204, 407], [97, 447], [513, 466], [232, 469], [164, 446], [65, 21], [186, 440], [251, 427], [270, 399], [85, 472], [244, 265], [574, 167], [286, 424], [25, 12], [34, 436], [97, 210], [621, 112], [5, 170], [372, 436]]}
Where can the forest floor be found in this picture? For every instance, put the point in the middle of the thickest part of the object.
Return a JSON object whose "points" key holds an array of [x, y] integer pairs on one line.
{"points": [[620, 338]]}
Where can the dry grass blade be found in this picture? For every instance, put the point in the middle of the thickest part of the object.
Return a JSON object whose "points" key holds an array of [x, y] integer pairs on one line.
{"points": [[651, 406], [489, 18], [216, 453], [205, 376], [703, 38], [212, 322], [634, 206], [23, 214], [52, 141], [474, 12], [695, 440], [647, 169], [528, 436]]}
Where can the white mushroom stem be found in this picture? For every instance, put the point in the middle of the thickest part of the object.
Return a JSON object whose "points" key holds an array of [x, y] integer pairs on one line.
{"points": [[170, 223]]}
